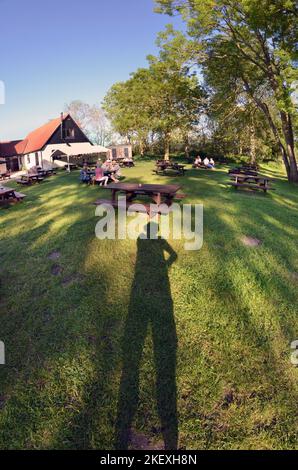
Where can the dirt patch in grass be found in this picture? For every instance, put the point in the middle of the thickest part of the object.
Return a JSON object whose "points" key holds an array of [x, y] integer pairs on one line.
{"points": [[139, 441], [68, 280], [56, 270], [250, 241], [54, 255], [294, 277]]}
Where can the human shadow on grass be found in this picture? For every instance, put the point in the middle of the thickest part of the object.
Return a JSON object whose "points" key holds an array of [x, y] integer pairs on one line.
{"points": [[150, 305]]}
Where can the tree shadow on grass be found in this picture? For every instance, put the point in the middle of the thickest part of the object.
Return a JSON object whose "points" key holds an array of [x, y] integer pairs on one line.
{"points": [[150, 305]]}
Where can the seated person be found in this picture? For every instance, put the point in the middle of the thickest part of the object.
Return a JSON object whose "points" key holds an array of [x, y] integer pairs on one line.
{"points": [[212, 162], [100, 177], [84, 177], [106, 166], [207, 163], [198, 161], [113, 174], [116, 169]]}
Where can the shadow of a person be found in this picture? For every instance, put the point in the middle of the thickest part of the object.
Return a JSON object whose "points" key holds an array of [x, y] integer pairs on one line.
{"points": [[150, 304]]}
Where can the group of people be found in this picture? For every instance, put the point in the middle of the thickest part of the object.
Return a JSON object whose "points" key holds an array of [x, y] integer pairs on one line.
{"points": [[207, 163], [109, 170]]}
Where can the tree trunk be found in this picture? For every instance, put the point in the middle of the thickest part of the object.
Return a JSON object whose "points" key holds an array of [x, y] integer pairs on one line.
{"points": [[288, 159], [290, 146], [141, 148], [265, 109], [252, 142], [167, 146]]}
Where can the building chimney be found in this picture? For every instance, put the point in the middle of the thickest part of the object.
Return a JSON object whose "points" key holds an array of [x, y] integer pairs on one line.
{"points": [[61, 126]]}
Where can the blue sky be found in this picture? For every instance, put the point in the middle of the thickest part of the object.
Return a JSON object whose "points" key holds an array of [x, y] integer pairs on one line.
{"points": [[56, 51]]}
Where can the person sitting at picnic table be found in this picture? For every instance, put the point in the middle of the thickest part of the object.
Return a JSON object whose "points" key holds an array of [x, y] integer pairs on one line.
{"points": [[197, 161], [116, 169], [207, 163], [84, 177], [109, 170], [112, 174], [212, 162], [100, 177], [106, 166]]}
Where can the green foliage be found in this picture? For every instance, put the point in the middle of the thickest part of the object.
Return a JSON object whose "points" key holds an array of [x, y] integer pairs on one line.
{"points": [[249, 46], [162, 98]]}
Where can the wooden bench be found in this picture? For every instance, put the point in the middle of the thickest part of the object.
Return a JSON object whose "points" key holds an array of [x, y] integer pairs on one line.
{"points": [[138, 207], [4, 176], [169, 171], [23, 181], [19, 196], [251, 186], [200, 167]]}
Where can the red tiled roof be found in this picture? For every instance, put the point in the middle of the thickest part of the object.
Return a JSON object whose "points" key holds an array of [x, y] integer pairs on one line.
{"points": [[9, 149], [34, 141]]}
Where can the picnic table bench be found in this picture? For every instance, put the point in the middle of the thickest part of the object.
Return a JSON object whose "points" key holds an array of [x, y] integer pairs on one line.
{"points": [[5, 175], [44, 173], [200, 166], [168, 169], [29, 179], [159, 194], [10, 195], [123, 163], [249, 181], [242, 171], [70, 166]]}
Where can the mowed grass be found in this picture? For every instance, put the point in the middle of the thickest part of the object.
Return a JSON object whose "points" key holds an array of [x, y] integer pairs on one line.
{"points": [[84, 347]]}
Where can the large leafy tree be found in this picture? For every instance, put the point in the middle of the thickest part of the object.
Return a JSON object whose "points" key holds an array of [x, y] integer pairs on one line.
{"points": [[250, 46], [162, 98]]}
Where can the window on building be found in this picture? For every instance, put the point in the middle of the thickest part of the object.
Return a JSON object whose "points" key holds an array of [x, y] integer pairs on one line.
{"points": [[114, 153], [70, 133], [28, 159], [126, 152]]}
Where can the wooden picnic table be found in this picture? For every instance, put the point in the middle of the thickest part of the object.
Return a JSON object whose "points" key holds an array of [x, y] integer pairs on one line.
{"points": [[45, 173], [6, 193], [166, 168], [158, 193], [30, 178], [5, 175], [34, 177], [246, 180], [9, 194]]}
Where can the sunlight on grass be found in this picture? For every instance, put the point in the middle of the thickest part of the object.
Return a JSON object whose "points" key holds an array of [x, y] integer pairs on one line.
{"points": [[66, 330]]}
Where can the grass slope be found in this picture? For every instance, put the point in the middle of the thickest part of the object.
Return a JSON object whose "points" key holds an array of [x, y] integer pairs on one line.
{"points": [[83, 347]]}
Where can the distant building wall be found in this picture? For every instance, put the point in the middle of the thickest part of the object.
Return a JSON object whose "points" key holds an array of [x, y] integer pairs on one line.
{"points": [[120, 151], [3, 168]]}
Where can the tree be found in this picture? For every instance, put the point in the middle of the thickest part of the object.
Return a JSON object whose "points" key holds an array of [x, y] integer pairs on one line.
{"points": [[251, 46], [124, 104], [161, 98]]}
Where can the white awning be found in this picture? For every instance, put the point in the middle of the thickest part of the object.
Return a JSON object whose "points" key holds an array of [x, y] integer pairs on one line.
{"points": [[78, 148]]}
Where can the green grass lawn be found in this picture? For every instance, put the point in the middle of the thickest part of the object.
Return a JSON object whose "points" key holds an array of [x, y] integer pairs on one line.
{"points": [[87, 333]]}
